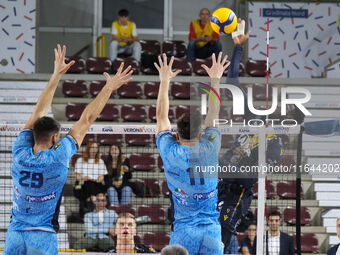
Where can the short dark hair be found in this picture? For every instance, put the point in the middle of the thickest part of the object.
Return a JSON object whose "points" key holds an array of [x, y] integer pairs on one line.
{"points": [[274, 213], [189, 126], [44, 128], [123, 13], [174, 249]]}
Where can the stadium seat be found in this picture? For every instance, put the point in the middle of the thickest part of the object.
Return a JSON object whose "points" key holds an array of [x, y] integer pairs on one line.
{"points": [[129, 61], [133, 113], [133, 89], [256, 68], [109, 139], [181, 90], [270, 190], [177, 49], [138, 139], [142, 162], [150, 47], [153, 184], [74, 88], [88, 138], [98, 65], [242, 70], [151, 89], [109, 113], [181, 109], [287, 189], [155, 212], [227, 141], [183, 64], [96, 87], [152, 113], [150, 51], [160, 163], [309, 243], [79, 65], [289, 216], [165, 189], [123, 208], [74, 111], [156, 240]]}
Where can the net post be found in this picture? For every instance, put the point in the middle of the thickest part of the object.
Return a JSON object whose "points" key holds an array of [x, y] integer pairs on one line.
{"points": [[298, 192], [261, 192]]}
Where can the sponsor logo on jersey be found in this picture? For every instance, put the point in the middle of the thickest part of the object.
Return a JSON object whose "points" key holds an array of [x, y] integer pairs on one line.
{"points": [[40, 198], [180, 193], [211, 137], [57, 146], [202, 196]]}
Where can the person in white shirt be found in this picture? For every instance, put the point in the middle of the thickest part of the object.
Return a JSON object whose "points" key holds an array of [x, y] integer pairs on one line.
{"points": [[90, 170], [335, 250], [277, 242], [124, 37]]}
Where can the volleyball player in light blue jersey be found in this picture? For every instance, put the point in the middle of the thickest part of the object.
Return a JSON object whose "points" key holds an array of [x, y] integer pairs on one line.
{"points": [[193, 190], [40, 165]]}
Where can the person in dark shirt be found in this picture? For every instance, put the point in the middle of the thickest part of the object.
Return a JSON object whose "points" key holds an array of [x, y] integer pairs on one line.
{"points": [[248, 244], [125, 231]]}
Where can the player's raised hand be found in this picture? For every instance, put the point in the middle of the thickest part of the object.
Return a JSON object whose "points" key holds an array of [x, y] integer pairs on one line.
{"points": [[218, 67], [238, 35], [121, 77], [60, 67], [164, 69]]}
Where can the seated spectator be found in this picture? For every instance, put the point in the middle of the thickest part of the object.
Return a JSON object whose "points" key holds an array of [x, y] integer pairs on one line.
{"points": [[248, 244], [335, 249], [175, 249], [118, 175], [125, 231], [233, 246], [203, 41], [99, 226], [90, 171], [124, 37]]}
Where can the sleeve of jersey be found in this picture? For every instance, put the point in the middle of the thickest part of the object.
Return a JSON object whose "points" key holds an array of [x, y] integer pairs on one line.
{"points": [[164, 142], [64, 149], [212, 137], [24, 139]]}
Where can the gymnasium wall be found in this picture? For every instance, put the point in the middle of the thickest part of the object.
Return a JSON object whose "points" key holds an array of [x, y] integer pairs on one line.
{"points": [[300, 46]]}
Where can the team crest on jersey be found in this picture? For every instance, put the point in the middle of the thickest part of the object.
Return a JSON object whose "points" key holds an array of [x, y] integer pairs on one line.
{"points": [[17, 193], [211, 137], [57, 146]]}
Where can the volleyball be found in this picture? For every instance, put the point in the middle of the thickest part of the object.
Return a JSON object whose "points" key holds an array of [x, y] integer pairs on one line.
{"points": [[223, 21]]}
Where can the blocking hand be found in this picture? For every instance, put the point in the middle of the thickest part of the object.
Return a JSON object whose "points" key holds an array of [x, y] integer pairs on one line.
{"points": [[120, 78], [164, 69], [60, 67], [217, 68]]}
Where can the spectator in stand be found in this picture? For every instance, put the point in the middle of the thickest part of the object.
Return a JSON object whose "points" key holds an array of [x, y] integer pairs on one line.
{"points": [[124, 37], [335, 250], [118, 175], [203, 41], [99, 226], [90, 171], [248, 244], [125, 231], [277, 242]]}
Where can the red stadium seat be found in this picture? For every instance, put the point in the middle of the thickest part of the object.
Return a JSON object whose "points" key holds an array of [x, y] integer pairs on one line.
{"points": [[74, 111], [129, 61], [79, 65], [289, 216], [96, 87], [227, 141], [138, 139], [142, 162], [109, 113], [88, 138], [155, 212], [151, 89], [287, 189], [242, 70], [151, 47], [98, 65], [133, 113], [152, 113], [309, 243], [270, 190], [183, 64], [110, 139], [133, 89], [180, 90], [177, 49], [181, 109], [165, 189], [124, 209], [74, 88], [256, 68], [156, 240], [160, 163], [153, 184], [150, 50]]}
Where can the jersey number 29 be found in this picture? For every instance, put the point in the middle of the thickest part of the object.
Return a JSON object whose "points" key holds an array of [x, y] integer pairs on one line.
{"points": [[36, 179]]}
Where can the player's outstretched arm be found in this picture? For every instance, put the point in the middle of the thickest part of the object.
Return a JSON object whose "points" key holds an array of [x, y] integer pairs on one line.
{"points": [[162, 108], [91, 112], [45, 99], [215, 73]]}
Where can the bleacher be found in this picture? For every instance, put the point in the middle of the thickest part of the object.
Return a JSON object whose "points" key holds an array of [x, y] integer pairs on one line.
{"points": [[135, 103]]}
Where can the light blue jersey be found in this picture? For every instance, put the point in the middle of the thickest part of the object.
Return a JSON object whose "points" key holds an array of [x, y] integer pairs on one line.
{"points": [[38, 181]]}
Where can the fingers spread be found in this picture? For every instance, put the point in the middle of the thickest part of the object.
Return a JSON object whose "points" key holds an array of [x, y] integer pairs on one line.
{"points": [[205, 68], [177, 72], [213, 59], [226, 65], [120, 68], [224, 59], [160, 61], [219, 57], [165, 60], [59, 50], [157, 67], [171, 61], [64, 52], [55, 54], [126, 70], [107, 76]]}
